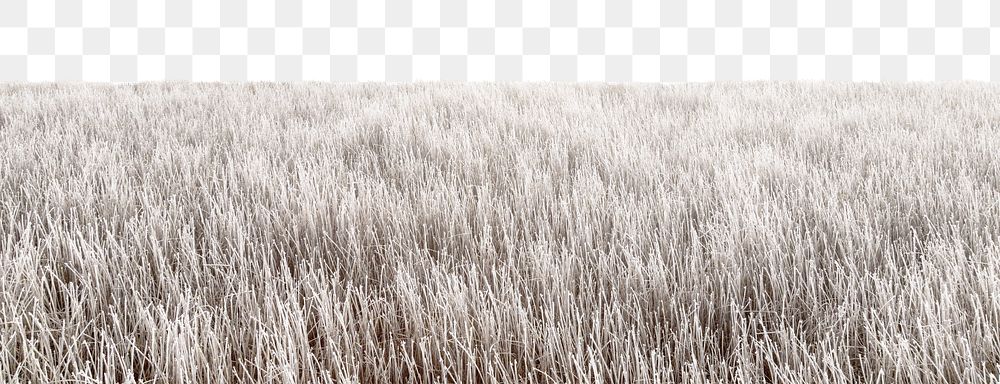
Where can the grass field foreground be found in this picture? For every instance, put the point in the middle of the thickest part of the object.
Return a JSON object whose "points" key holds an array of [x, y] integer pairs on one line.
{"points": [[755, 232]]}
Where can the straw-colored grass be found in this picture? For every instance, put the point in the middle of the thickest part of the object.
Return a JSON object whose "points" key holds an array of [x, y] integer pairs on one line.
{"points": [[806, 233]]}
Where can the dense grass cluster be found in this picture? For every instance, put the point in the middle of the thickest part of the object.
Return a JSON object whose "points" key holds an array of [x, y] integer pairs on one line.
{"points": [[772, 232]]}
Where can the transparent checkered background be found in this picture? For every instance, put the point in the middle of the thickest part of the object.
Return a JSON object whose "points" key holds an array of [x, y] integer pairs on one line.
{"points": [[499, 40]]}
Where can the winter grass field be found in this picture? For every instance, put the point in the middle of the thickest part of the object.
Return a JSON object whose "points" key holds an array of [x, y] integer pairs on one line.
{"points": [[755, 232]]}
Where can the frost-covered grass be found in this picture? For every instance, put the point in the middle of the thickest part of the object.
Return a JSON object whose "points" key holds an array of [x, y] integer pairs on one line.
{"points": [[757, 232]]}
